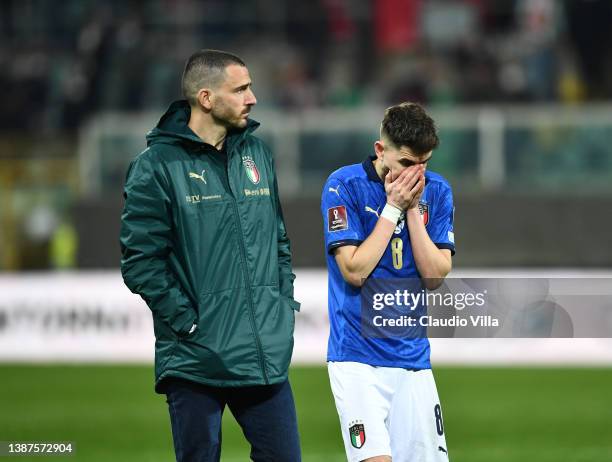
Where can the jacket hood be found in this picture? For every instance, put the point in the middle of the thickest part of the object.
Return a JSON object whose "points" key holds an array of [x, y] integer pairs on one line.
{"points": [[172, 128]]}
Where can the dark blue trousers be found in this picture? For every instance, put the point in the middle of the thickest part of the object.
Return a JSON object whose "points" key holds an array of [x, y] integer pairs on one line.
{"points": [[265, 413]]}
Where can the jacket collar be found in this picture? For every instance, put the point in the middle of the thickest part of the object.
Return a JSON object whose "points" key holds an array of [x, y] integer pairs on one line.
{"points": [[172, 128]]}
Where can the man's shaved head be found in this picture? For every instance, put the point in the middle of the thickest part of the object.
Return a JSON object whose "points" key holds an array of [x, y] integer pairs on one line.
{"points": [[206, 69]]}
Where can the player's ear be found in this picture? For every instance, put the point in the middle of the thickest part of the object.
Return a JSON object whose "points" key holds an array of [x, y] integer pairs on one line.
{"points": [[204, 98], [379, 148]]}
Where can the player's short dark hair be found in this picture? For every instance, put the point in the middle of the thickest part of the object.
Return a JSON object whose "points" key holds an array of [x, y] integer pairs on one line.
{"points": [[407, 124], [206, 68]]}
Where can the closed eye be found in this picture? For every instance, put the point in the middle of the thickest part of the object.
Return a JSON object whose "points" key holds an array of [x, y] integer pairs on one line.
{"points": [[405, 162]]}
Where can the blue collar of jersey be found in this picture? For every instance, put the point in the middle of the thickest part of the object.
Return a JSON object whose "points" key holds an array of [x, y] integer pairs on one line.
{"points": [[368, 166]]}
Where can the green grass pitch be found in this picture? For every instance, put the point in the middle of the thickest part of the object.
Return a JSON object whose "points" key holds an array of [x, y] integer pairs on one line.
{"points": [[491, 414]]}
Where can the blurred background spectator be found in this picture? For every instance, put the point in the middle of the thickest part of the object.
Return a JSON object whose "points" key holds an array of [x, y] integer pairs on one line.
{"points": [[67, 67], [62, 62]]}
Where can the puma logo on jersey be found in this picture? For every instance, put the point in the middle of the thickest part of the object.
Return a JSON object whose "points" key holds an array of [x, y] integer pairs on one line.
{"points": [[371, 210], [198, 177], [335, 190]]}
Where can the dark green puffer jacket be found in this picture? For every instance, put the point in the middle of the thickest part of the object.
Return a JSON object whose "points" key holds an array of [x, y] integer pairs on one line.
{"points": [[203, 241]]}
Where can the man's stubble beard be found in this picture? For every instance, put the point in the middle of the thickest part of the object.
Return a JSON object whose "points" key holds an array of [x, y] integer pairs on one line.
{"points": [[229, 121]]}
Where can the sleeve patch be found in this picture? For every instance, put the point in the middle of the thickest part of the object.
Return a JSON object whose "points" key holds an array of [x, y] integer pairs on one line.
{"points": [[337, 219]]}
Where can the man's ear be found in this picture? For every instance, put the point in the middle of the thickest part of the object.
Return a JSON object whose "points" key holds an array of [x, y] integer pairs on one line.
{"points": [[204, 99], [379, 148]]}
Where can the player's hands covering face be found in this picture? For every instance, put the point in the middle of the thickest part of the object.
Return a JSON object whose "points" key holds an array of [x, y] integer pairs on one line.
{"points": [[404, 191]]}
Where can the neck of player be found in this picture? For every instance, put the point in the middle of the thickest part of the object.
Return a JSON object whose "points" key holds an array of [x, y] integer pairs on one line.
{"points": [[204, 126]]}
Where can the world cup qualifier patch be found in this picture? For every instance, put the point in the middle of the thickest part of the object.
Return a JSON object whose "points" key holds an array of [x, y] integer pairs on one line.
{"points": [[337, 219], [358, 436], [424, 211]]}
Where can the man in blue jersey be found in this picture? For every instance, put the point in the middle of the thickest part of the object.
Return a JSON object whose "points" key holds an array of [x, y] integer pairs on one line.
{"points": [[387, 217]]}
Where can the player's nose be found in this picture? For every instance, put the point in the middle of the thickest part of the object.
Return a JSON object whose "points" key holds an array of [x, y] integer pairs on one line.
{"points": [[250, 98]]}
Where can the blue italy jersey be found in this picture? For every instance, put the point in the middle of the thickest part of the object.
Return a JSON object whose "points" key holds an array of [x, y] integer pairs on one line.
{"points": [[352, 200]]}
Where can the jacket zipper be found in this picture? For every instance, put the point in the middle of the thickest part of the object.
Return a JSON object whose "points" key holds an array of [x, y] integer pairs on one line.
{"points": [[246, 280]]}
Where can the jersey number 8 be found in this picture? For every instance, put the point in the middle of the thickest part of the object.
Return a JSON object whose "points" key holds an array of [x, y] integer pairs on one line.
{"points": [[397, 246]]}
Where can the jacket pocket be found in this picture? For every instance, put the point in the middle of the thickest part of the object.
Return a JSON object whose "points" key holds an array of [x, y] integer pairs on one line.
{"points": [[223, 346], [183, 324]]}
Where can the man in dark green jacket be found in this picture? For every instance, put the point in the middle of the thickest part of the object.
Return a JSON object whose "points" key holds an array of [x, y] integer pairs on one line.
{"points": [[204, 243]]}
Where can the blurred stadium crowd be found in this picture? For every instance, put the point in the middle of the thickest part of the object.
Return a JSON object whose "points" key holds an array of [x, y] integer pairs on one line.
{"points": [[65, 65], [62, 61]]}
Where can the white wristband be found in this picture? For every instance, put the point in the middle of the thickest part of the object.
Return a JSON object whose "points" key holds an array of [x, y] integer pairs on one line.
{"points": [[391, 213]]}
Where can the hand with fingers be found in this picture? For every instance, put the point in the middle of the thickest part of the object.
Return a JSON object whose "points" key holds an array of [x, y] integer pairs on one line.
{"points": [[404, 191]]}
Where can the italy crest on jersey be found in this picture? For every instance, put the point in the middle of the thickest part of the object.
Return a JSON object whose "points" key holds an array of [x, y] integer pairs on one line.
{"points": [[424, 211], [358, 436], [251, 169]]}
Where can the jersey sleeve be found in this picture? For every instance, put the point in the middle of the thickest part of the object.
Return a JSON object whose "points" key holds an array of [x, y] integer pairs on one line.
{"points": [[441, 230], [341, 222]]}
